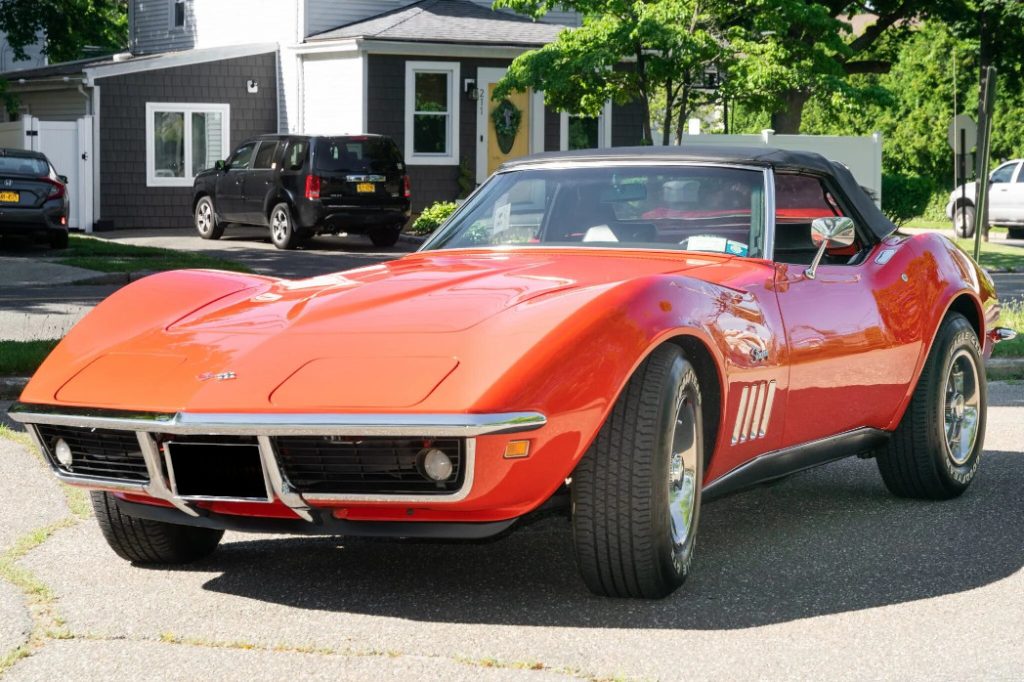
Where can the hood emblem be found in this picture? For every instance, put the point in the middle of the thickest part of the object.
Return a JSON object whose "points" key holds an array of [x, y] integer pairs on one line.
{"points": [[219, 376], [8, 182]]}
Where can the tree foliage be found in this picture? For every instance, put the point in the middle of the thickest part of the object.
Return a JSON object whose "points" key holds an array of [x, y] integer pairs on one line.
{"points": [[624, 51], [68, 27]]}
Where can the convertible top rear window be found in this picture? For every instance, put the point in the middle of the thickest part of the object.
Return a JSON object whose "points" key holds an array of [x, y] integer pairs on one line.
{"points": [[696, 208]]}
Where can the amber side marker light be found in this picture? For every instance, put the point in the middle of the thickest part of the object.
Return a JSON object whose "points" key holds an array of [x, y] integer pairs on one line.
{"points": [[517, 449]]}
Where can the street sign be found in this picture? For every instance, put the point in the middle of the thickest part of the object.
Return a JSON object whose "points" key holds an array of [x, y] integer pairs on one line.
{"points": [[962, 122]]}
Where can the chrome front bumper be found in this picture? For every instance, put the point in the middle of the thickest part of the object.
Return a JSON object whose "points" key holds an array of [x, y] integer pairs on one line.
{"points": [[264, 427]]}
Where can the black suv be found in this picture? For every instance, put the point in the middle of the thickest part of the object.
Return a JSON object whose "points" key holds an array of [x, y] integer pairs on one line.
{"points": [[301, 186], [33, 197]]}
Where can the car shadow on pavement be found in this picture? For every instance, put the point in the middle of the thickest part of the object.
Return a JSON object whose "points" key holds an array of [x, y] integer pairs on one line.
{"points": [[826, 541]]}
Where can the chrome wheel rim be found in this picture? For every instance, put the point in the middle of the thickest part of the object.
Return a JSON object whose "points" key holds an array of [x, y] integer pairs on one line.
{"points": [[682, 484], [204, 217], [961, 407], [279, 226]]}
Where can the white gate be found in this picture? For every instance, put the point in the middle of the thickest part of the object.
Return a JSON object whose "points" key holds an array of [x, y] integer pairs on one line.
{"points": [[68, 145]]}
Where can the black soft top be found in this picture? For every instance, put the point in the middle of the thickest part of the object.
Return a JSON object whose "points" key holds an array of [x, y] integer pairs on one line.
{"points": [[767, 157]]}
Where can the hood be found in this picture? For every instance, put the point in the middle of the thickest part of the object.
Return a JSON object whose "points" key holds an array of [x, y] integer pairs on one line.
{"points": [[433, 292], [381, 337]]}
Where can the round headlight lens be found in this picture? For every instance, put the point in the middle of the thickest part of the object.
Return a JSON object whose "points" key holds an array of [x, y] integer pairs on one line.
{"points": [[63, 452], [436, 465]]}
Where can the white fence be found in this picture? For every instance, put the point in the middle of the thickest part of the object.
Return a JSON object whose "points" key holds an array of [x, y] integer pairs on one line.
{"points": [[862, 155], [68, 145]]}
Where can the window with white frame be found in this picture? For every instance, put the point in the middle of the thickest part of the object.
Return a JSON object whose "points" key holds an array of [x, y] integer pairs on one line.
{"points": [[179, 14], [431, 113], [184, 139], [585, 132]]}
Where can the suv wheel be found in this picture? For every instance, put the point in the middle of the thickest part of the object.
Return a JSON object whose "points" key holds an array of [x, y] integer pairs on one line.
{"points": [[206, 221], [963, 221], [385, 236], [282, 227]]}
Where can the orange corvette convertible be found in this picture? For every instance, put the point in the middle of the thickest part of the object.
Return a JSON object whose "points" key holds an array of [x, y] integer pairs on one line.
{"points": [[625, 333]]}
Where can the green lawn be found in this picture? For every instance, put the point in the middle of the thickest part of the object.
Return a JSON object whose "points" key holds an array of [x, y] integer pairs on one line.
{"points": [[21, 358], [106, 256]]}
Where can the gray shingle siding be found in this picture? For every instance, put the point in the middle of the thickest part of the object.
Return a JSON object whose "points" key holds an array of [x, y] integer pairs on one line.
{"points": [[126, 201], [385, 112]]}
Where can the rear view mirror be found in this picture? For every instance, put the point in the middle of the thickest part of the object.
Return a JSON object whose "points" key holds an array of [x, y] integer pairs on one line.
{"points": [[221, 165], [830, 233]]}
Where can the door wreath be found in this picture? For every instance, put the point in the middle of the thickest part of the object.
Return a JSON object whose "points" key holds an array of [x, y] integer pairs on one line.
{"points": [[506, 118]]}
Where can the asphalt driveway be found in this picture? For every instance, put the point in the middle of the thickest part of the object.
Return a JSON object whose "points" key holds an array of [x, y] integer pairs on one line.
{"points": [[821, 576]]}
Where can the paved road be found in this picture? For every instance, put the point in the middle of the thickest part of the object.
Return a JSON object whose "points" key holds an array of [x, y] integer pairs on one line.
{"points": [[821, 576]]}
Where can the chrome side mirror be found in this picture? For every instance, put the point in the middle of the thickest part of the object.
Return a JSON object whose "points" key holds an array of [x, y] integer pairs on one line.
{"points": [[830, 233]]}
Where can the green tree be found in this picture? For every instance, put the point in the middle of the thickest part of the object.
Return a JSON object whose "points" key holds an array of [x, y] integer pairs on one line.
{"points": [[68, 27], [625, 51]]}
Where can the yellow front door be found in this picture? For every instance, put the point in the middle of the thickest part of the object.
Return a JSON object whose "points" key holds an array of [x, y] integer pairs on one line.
{"points": [[505, 139]]}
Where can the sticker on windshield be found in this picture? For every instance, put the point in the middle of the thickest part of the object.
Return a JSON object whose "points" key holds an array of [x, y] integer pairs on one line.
{"points": [[501, 218]]}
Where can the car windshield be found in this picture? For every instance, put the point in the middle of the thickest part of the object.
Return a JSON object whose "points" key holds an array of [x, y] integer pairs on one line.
{"points": [[23, 165], [692, 208], [356, 154]]}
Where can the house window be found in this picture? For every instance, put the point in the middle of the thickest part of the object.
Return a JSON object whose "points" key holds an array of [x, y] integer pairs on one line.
{"points": [[184, 139], [431, 113], [178, 14], [585, 132]]}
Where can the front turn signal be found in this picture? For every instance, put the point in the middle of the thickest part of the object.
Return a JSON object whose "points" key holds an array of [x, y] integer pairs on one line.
{"points": [[517, 449]]}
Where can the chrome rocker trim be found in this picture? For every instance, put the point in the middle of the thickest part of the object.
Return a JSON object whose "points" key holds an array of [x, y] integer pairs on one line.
{"points": [[281, 424]]}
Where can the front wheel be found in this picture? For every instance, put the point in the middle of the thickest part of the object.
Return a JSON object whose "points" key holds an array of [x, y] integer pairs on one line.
{"points": [[636, 493], [963, 221], [282, 227], [142, 541], [206, 221], [935, 450]]}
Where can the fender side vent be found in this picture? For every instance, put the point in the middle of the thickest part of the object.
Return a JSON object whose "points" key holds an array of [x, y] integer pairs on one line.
{"points": [[754, 411]]}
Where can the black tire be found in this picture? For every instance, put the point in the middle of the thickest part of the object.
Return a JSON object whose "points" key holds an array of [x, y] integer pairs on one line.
{"points": [[204, 218], [918, 461], [1015, 232], [59, 240], [963, 221], [142, 541], [385, 236], [282, 227], [624, 533]]}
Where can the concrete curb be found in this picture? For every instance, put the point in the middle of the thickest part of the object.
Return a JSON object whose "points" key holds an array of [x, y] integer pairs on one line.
{"points": [[11, 387], [411, 239]]}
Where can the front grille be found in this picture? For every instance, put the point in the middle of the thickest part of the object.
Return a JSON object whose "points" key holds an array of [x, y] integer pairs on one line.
{"points": [[97, 452], [345, 465]]}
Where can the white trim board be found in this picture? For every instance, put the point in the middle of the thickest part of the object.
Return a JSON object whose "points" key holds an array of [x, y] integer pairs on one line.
{"points": [[414, 49]]}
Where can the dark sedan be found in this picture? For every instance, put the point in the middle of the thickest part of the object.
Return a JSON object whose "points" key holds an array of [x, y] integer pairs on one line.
{"points": [[33, 197]]}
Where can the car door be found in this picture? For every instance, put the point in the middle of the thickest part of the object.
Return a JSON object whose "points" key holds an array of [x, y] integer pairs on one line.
{"points": [[1015, 197], [230, 184], [1001, 194], [850, 327], [259, 182]]}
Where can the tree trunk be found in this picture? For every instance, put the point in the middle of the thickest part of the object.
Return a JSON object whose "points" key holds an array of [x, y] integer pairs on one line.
{"points": [[684, 105], [787, 121]]}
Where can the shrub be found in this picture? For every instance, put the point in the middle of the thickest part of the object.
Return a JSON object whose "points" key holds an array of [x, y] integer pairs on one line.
{"points": [[432, 217], [905, 196]]}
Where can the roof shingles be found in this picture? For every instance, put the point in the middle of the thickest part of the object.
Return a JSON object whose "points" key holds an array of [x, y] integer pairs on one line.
{"points": [[447, 21]]}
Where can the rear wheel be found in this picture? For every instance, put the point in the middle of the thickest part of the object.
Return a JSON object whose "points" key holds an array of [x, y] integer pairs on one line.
{"points": [[636, 493], [282, 227], [935, 450], [142, 541], [206, 221], [385, 236], [963, 221]]}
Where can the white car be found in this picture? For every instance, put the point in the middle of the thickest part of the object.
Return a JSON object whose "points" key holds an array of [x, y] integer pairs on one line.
{"points": [[1005, 201]]}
